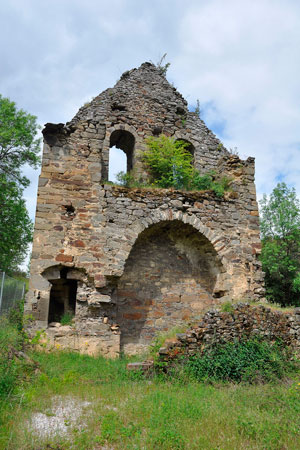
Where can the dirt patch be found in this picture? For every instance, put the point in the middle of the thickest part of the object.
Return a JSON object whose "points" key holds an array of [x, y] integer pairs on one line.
{"points": [[62, 415]]}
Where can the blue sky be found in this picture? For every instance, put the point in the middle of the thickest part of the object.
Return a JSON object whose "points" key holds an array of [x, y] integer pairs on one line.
{"points": [[241, 59]]}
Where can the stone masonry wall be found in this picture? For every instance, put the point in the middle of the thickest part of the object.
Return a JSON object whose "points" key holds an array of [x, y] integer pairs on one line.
{"points": [[243, 322], [94, 234]]}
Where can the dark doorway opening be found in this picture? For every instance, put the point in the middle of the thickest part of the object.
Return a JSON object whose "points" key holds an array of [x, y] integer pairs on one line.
{"points": [[62, 299]]}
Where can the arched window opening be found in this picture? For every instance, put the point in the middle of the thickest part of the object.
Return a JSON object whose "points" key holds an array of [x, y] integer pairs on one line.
{"points": [[120, 160]]}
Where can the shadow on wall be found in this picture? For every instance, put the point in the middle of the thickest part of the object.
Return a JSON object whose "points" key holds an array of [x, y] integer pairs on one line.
{"points": [[169, 278]]}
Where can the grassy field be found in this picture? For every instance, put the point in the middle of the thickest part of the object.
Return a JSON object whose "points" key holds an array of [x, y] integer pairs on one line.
{"points": [[111, 409]]}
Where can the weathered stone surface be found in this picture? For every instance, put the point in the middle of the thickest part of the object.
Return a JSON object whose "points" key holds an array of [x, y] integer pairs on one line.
{"points": [[138, 261], [244, 321]]}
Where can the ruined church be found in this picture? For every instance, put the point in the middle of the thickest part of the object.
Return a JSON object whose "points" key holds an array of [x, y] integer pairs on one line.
{"points": [[128, 263]]}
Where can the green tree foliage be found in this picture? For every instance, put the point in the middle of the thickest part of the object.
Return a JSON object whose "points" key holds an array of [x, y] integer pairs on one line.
{"points": [[18, 146], [18, 142], [15, 225], [280, 228], [169, 164]]}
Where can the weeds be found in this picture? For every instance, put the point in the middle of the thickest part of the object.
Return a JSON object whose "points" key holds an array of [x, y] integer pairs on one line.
{"points": [[154, 414], [251, 360], [66, 318], [134, 412]]}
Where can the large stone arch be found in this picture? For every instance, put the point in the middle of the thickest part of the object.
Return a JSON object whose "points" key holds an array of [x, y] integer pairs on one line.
{"points": [[172, 273], [217, 240]]}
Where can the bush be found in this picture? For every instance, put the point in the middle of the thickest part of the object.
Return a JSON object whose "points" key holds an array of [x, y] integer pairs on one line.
{"points": [[169, 164], [250, 360]]}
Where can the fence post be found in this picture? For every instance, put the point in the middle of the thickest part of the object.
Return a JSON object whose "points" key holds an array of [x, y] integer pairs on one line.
{"points": [[1, 290]]}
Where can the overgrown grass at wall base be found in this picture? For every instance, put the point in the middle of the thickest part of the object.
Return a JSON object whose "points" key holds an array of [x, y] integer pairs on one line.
{"points": [[252, 360], [127, 412]]}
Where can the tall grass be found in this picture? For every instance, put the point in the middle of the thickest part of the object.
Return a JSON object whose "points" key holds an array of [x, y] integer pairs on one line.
{"points": [[129, 412]]}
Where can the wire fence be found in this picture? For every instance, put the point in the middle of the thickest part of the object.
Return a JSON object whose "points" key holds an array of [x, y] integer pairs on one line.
{"points": [[11, 291]]}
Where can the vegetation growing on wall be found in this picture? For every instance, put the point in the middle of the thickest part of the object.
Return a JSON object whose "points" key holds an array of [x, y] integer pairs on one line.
{"points": [[170, 165], [280, 229]]}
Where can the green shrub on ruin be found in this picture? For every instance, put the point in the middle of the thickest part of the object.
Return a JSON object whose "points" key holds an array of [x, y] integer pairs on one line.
{"points": [[170, 165]]}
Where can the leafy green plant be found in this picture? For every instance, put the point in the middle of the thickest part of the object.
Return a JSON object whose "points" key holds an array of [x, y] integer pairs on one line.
{"points": [[15, 225], [169, 164], [249, 360], [280, 229], [18, 142], [66, 318], [227, 307], [129, 180], [18, 146]]}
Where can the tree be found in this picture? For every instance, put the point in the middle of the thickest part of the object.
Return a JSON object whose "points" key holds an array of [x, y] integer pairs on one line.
{"points": [[18, 146], [280, 229], [15, 225], [18, 142]]}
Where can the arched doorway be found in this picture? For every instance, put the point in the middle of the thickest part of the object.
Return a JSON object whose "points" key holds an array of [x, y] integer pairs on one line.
{"points": [[169, 278]]}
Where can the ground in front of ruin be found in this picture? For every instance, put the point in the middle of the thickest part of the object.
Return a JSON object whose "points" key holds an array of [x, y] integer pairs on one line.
{"points": [[80, 402]]}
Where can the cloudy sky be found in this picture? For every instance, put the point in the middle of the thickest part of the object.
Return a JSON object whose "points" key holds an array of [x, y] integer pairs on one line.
{"points": [[240, 58]]}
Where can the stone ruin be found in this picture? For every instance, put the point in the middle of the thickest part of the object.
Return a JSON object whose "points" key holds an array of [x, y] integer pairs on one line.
{"points": [[131, 263]]}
